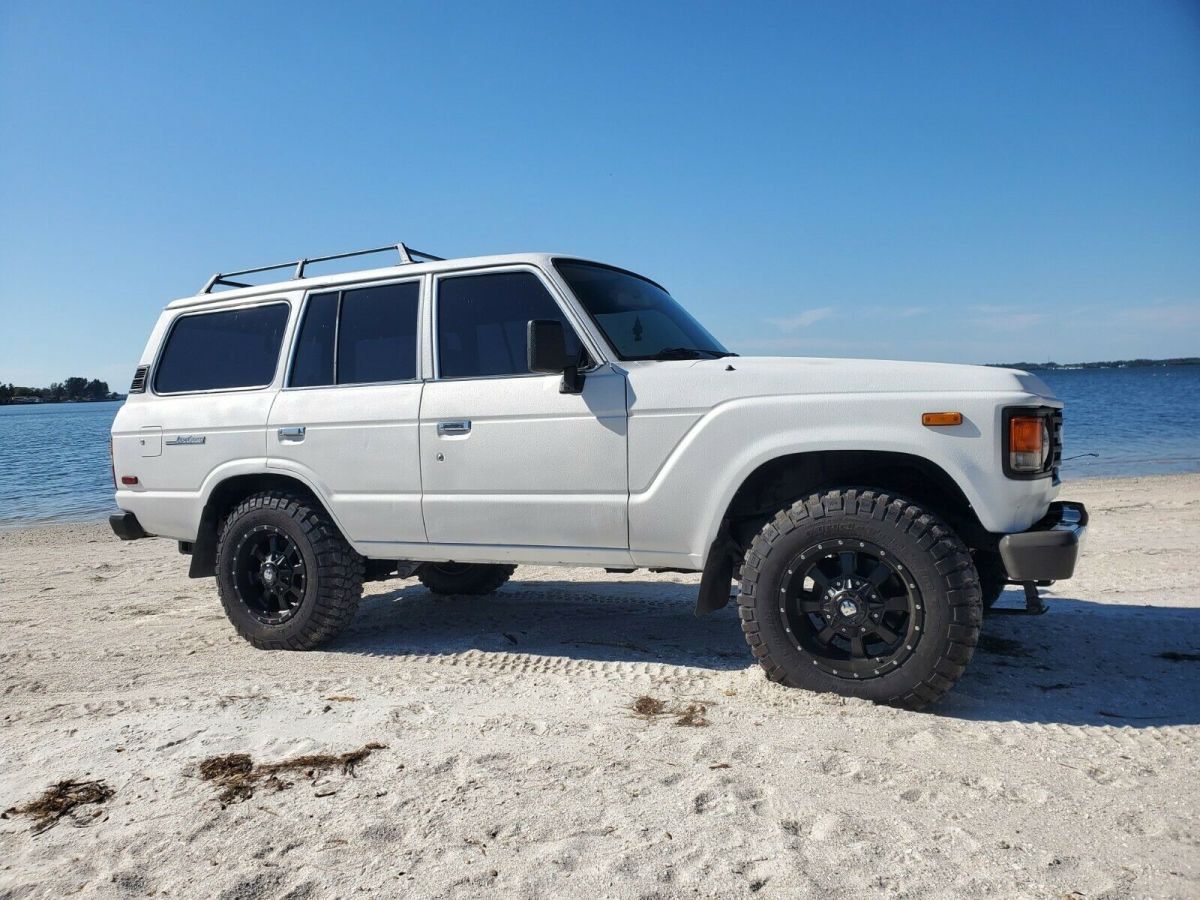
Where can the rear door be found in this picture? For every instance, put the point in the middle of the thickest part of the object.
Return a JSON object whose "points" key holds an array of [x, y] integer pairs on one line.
{"points": [[346, 419], [506, 458]]}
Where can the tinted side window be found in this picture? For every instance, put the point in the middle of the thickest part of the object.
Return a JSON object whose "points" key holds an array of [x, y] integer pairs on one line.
{"points": [[221, 350], [483, 323], [375, 330], [377, 334], [313, 364]]}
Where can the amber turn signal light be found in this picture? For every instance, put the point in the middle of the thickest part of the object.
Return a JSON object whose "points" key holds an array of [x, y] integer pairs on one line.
{"points": [[1025, 434], [941, 418], [1028, 444]]}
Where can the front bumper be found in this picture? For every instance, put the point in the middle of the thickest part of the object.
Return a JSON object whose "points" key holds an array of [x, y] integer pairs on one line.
{"points": [[1049, 550], [126, 526]]}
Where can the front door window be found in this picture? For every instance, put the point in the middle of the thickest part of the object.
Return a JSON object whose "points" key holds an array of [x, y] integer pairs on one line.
{"points": [[483, 323]]}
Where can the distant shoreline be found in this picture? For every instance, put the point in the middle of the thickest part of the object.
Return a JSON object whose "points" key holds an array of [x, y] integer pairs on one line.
{"points": [[1108, 364], [40, 401]]}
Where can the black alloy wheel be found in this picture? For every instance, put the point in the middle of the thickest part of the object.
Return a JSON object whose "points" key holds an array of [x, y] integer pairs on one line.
{"points": [[269, 574], [850, 606]]}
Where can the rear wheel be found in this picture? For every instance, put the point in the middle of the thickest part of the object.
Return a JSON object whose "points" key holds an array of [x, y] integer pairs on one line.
{"points": [[464, 578], [287, 578], [862, 594]]}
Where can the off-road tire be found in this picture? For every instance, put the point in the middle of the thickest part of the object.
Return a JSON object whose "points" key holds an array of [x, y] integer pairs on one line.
{"points": [[934, 556], [335, 571], [464, 578], [992, 577]]}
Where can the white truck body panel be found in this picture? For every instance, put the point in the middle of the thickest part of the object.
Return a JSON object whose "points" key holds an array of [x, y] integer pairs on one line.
{"points": [[358, 451], [638, 469], [539, 465]]}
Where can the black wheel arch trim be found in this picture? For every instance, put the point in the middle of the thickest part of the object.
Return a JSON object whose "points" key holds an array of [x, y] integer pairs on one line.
{"points": [[226, 495], [790, 477]]}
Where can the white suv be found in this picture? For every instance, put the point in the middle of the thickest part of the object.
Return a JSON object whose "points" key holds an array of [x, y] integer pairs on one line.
{"points": [[448, 419]]}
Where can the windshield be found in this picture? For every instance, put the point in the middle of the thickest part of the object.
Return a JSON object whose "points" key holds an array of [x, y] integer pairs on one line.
{"points": [[640, 319]]}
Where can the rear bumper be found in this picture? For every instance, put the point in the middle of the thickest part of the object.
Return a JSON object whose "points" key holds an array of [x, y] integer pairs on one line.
{"points": [[126, 526], [1049, 550]]}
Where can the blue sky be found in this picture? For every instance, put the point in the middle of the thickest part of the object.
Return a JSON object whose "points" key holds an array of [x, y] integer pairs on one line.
{"points": [[953, 181]]}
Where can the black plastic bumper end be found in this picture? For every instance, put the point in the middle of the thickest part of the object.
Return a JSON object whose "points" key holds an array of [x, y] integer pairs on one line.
{"points": [[126, 526], [1049, 550]]}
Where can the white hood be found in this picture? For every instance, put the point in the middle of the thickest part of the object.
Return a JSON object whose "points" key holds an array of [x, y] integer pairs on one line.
{"points": [[824, 375], [707, 382]]}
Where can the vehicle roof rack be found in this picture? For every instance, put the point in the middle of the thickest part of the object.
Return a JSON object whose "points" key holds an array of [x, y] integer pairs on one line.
{"points": [[408, 255]]}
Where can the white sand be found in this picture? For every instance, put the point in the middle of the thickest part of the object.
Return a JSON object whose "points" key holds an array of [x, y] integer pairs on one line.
{"points": [[1066, 763]]}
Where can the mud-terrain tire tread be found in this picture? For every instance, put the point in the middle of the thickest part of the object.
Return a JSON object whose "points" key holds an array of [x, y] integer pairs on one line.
{"points": [[480, 578], [928, 533], [339, 572]]}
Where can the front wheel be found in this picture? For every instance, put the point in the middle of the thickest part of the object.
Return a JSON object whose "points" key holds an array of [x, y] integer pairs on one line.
{"points": [[862, 594]]}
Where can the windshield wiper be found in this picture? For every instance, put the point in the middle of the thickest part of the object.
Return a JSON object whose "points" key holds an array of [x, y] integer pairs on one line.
{"points": [[686, 353]]}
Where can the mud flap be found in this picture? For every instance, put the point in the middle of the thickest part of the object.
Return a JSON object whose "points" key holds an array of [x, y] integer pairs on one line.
{"points": [[204, 551], [715, 582]]}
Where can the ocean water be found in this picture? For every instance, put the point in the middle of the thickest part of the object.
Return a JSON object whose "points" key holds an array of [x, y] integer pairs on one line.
{"points": [[54, 463], [1135, 421], [54, 457]]}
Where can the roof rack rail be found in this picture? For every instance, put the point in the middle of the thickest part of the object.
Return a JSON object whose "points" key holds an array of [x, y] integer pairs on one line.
{"points": [[407, 255]]}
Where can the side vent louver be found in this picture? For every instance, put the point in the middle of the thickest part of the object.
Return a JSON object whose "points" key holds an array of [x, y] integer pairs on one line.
{"points": [[139, 380]]}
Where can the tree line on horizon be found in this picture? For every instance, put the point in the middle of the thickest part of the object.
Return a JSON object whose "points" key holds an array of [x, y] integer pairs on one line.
{"points": [[73, 390], [1109, 364]]}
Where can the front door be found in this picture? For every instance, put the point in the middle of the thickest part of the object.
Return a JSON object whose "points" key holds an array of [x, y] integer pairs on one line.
{"points": [[506, 459], [347, 417]]}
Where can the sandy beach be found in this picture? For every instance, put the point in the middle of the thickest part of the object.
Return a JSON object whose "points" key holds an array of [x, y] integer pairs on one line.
{"points": [[1063, 765]]}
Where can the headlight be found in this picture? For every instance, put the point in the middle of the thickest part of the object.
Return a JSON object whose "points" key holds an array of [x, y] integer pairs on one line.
{"points": [[1028, 442]]}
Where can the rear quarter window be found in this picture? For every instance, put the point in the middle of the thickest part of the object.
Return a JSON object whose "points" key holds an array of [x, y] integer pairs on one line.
{"points": [[225, 350]]}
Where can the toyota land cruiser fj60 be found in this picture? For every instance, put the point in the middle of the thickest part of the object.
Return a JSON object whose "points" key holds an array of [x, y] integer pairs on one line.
{"points": [[450, 419]]}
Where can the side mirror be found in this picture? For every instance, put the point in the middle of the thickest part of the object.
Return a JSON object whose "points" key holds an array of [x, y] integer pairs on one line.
{"points": [[547, 354], [547, 347]]}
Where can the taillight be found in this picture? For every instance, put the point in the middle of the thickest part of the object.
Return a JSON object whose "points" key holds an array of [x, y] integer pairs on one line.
{"points": [[112, 463]]}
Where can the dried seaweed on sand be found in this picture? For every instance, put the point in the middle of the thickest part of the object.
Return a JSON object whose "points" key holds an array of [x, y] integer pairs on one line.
{"points": [[61, 800], [237, 775]]}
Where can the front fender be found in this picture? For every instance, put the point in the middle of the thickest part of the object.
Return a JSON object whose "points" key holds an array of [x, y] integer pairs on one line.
{"points": [[680, 511]]}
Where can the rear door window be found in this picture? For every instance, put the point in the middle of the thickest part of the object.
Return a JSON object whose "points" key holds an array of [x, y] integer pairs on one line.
{"points": [[225, 350], [313, 364], [360, 336], [483, 323]]}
